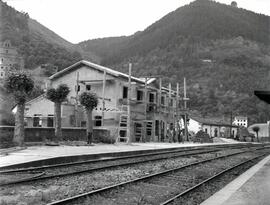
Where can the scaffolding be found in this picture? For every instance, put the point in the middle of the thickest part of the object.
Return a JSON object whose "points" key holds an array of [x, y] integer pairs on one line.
{"points": [[160, 106]]}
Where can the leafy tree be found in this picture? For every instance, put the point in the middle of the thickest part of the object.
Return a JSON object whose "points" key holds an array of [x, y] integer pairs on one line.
{"points": [[20, 85], [58, 96], [256, 129], [89, 101]]}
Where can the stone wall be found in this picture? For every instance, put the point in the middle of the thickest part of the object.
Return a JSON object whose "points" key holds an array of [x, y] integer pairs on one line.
{"points": [[40, 134]]}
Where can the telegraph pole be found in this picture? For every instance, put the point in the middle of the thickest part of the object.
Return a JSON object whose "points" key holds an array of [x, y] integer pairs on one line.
{"points": [[128, 104], [185, 108], [76, 100], [103, 96]]}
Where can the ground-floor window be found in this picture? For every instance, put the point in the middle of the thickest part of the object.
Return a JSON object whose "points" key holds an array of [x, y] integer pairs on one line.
{"points": [[98, 121], [83, 123], [37, 121], [50, 121]]}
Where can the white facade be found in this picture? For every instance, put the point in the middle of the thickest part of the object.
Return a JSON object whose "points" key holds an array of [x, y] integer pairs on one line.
{"points": [[213, 129], [241, 121]]}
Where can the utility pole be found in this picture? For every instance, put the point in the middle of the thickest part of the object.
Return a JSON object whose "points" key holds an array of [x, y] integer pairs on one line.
{"points": [[177, 107], [185, 108], [103, 96], [128, 104], [159, 108], [230, 124], [145, 109], [76, 100]]}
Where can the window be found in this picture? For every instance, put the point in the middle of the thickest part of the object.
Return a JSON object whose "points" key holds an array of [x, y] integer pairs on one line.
{"points": [[139, 95], [50, 121], [162, 100], [125, 92], [98, 121], [88, 87], [37, 122], [2, 74], [83, 123], [6, 51], [205, 130], [151, 97], [171, 102]]}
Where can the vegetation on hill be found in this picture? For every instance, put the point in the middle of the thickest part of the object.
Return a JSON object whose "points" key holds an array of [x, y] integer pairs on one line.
{"points": [[35, 43], [203, 20], [223, 52]]}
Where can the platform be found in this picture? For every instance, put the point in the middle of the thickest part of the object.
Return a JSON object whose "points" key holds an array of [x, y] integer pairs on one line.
{"points": [[35, 153], [250, 188]]}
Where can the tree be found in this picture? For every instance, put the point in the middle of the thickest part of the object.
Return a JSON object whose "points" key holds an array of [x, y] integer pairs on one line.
{"points": [[89, 101], [20, 85], [256, 129], [58, 96]]}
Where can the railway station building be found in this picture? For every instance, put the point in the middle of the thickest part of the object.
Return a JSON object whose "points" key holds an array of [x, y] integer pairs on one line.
{"points": [[155, 110]]}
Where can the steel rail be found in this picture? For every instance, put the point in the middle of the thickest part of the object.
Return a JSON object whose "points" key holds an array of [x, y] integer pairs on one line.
{"points": [[234, 146], [94, 161], [208, 180], [101, 168], [104, 189]]}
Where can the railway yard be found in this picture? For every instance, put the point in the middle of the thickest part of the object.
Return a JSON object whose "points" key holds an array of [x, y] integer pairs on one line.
{"points": [[163, 176]]}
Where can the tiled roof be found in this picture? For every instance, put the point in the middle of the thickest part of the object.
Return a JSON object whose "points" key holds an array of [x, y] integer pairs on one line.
{"points": [[97, 67]]}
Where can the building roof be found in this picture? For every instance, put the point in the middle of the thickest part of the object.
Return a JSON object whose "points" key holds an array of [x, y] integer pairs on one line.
{"points": [[97, 67], [214, 122], [262, 126], [241, 117]]}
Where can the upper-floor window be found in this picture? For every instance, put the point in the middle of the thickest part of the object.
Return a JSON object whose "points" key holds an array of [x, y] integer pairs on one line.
{"points": [[162, 100], [125, 92], [171, 102], [88, 87], [151, 97], [139, 95], [6, 51]]}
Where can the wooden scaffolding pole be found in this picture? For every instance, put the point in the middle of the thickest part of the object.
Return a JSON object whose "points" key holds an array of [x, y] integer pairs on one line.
{"points": [[103, 95], [159, 108]]}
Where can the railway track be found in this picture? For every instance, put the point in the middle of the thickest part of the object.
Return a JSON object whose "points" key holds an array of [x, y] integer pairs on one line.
{"points": [[48, 172], [161, 184]]}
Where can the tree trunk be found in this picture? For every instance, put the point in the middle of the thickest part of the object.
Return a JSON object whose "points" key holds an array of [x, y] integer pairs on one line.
{"points": [[257, 136], [89, 128], [18, 138], [58, 122]]}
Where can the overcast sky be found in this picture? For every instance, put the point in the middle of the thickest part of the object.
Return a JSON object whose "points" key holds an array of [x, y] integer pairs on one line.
{"points": [[78, 20]]}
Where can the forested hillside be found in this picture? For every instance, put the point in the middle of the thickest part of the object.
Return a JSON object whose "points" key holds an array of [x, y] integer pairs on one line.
{"points": [[223, 52], [37, 44], [202, 20]]}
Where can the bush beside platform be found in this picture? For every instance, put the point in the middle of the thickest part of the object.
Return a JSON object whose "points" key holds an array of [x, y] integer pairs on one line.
{"points": [[43, 134]]}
